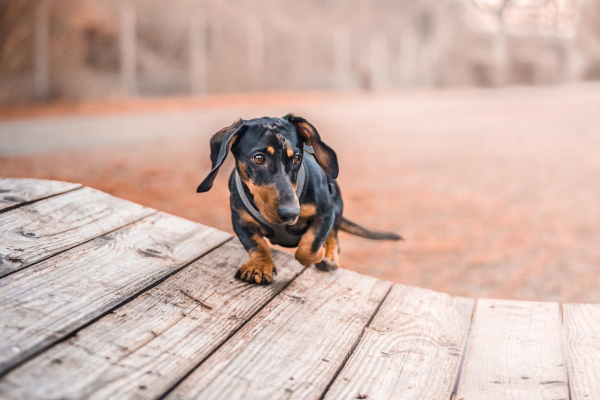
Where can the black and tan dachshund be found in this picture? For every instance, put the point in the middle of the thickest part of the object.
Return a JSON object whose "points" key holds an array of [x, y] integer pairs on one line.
{"points": [[283, 188]]}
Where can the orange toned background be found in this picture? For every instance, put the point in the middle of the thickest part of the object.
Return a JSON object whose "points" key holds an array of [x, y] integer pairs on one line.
{"points": [[496, 192], [468, 126]]}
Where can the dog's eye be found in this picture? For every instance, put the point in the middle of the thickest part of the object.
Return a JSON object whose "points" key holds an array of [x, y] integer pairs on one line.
{"points": [[258, 159], [297, 159]]}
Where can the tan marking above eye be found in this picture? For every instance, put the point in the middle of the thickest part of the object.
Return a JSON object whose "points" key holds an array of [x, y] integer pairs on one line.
{"points": [[290, 153], [270, 150]]}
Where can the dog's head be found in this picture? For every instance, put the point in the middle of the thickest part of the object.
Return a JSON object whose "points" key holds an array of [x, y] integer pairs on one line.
{"points": [[268, 154]]}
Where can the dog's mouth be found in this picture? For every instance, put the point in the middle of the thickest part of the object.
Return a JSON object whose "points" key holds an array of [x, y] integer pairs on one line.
{"points": [[294, 221], [269, 214], [272, 217]]}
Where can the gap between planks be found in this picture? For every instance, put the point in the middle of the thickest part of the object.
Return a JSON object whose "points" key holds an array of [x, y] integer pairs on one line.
{"points": [[464, 353], [228, 337], [266, 304], [135, 221], [128, 373], [37, 232], [340, 368], [321, 314], [466, 347], [43, 197], [581, 329], [119, 304], [579, 349], [354, 346], [563, 337], [563, 351], [411, 350]]}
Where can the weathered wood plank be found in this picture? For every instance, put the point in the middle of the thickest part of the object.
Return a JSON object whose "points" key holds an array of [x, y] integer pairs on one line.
{"points": [[411, 350], [148, 345], [15, 192], [582, 344], [37, 231], [515, 352], [295, 345], [47, 301]]}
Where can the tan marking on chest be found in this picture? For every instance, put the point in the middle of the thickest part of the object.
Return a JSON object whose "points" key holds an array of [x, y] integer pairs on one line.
{"points": [[308, 210], [248, 220]]}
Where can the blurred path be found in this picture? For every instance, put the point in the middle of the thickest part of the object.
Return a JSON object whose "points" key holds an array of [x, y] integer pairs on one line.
{"points": [[496, 191], [66, 127]]}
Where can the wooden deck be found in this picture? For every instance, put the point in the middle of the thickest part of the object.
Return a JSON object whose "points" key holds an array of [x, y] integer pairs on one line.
{"points": [[103, 298]]}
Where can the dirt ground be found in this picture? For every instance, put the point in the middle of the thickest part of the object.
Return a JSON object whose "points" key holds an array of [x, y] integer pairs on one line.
{"points": [[496, 192]]}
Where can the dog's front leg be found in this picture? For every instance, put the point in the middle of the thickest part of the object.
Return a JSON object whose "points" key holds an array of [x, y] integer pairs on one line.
{"points": [[331, 261], [260, 266], [310, 249]]}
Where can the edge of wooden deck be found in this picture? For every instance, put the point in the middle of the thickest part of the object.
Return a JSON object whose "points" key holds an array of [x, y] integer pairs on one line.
{"points": [[179, 326]]}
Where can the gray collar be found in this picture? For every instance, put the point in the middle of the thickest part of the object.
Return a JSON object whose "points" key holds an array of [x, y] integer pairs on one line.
{"points": [[302, 173]]}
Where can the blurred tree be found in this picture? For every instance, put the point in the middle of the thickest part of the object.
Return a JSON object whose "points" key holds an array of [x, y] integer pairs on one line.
{"points": [[76, 49]]}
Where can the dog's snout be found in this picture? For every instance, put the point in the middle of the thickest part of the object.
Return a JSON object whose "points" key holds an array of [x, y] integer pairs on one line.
{"points": [[288, 213]]}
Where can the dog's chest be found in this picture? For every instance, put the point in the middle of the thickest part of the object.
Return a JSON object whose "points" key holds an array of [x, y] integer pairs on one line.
{"points": [[287, 235]]}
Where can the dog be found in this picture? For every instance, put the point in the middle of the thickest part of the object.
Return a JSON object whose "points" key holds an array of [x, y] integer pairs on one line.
{"points": [[283, 188]]}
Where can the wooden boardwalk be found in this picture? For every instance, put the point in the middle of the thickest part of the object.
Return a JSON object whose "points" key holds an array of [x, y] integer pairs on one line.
{"points": [[103, 298]]}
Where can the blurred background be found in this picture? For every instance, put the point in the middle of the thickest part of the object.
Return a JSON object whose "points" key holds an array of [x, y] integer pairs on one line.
{"points": [[85, 49], [468, 126]]}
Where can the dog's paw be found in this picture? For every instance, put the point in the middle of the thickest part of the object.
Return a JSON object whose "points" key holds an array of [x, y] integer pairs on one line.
{"points": [[306, 257], [256, 273], [326, 265]]}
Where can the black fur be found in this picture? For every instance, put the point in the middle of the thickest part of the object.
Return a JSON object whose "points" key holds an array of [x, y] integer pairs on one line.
{"points": [[275, 180]]}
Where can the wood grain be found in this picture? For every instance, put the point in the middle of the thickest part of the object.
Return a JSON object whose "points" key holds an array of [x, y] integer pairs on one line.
{"points": [[582, 345], [15, 192], [411, 350], [143, 348], [37, 231], [43, 303], [294, 347], [515, 352]]}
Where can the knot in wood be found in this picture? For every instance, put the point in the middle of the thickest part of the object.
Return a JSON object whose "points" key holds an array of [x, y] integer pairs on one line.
{"points": [[150, 252], [13, 199]]}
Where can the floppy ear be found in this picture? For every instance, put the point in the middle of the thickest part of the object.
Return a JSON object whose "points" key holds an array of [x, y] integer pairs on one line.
{"points": [[325, 155], [220, 144]]}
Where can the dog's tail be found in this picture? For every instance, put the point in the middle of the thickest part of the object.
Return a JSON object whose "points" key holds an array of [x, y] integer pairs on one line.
{"points": [[357, 230]]}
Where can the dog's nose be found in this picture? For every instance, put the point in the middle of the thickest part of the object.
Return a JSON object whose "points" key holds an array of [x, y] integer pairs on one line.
{"points": [[286, 213]]}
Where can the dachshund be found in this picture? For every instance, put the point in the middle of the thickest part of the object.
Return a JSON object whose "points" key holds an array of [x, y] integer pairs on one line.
{"points": [[283, 188]]}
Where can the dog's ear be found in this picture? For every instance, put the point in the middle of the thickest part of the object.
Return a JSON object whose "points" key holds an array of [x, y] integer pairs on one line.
{"points": [[308, 133], [220, 144]]}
